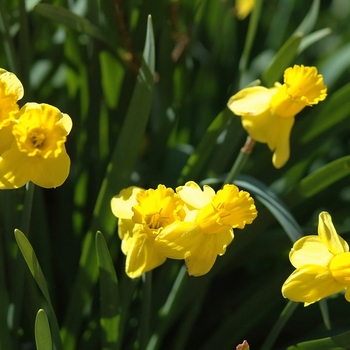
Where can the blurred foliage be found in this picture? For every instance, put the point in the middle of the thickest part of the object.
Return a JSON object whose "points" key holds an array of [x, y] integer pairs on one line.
{"points": [[133, 126]]}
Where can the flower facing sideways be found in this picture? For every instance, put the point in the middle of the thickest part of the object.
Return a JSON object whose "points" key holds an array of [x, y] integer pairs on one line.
{"points": [[268, 114], [207, 228], [322, 265], [143, 214], [37, 149]]}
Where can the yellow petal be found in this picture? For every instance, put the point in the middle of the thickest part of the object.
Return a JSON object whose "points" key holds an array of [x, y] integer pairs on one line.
{"points": [[16, 169], [201, 259], [244, 7], [52, 172], [14, 86], [340, 268], [126, 229], [142, 256], [251, 101], [310, 283], [193, 195], [223, 239], [329, 236], [310, 250], [178, 239], [6, 137], [122, 203]]}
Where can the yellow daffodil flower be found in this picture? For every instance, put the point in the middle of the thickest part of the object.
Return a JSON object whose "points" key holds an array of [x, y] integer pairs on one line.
{"points": [[243, 8], [11, 90], [322, 265], [268, 114], [207, 228], [37, 152], [143, 214]]}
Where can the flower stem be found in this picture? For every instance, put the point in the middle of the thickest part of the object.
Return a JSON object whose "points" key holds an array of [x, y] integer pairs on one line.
{"points": [[146, 309], [240, 161], [278, 326]]}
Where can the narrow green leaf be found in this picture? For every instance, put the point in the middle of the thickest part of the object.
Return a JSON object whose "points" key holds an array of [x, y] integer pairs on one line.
{"points": [[310, 19], [275, 205], [70, 19], [42, 332], [32, 262], [337, 105], [109, 296], [284, 58], [318, 180], [337, 342], [122, 163], [313, 38], [35, 269]]}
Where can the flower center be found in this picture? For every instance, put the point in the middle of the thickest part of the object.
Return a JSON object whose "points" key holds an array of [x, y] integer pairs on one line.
{"points": [[340, 268], [37, 138], [154, 221]]}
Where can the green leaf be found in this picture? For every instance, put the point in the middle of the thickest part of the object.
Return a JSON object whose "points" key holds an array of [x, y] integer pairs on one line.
{"points": [[42, 332], [310, 19], [122, 163], [275, 205], [313, 38], [319, 180], [337, 342], [283, 59], [109, 296], [35, 269], [70, 19], [32, 262]]}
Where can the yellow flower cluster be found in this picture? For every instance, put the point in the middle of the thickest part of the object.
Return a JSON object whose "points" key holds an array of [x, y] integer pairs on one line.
{"points": [[31, 139], [268, 114], [322, 265], [191, 224]]}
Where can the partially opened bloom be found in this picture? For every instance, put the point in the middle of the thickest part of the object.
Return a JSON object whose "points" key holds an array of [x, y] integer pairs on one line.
{"points": [[37, 150], [11, 90], [244, 7], [322, 265], [143, 214], [207, 228], [268, 114]]}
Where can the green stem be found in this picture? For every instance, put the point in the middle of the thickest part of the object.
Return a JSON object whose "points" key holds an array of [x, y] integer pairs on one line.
{"points": [[146, 309], [241, 160], [277, 328]]}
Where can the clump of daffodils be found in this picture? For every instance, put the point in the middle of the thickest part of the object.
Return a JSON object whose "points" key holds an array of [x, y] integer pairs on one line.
{"points": [[190, 224], [268, 114], [32, 139]]}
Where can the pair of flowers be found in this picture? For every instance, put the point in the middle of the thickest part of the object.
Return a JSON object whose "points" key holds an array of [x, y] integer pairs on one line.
{"points": [[191, 224], [32, 139]]}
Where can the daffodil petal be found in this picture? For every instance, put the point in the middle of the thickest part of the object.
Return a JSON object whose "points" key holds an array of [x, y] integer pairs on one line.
{"points": [[178, 239], [14, 86], [200, 260], [278, 140], [347, 293], [310, 250], [6, 138], [193, 195], [329, 236], [310, 283], [250, 101], [52, 172], [122, 203], [142, 256], [126, 230], [223, 239], [16, 168]]}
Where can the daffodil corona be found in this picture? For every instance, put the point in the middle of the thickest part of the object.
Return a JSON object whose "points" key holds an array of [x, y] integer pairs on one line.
{"points": [[207, 228], [268, 114], [322, 265], [37, 149]]}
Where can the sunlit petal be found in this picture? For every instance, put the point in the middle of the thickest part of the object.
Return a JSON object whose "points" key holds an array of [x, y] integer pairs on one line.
{"points": [[122, 203], [193, 195]]}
